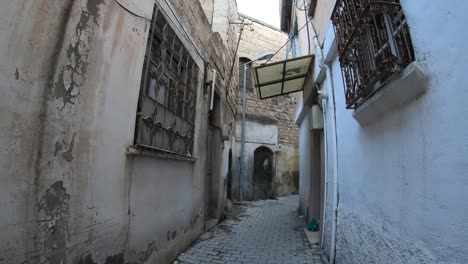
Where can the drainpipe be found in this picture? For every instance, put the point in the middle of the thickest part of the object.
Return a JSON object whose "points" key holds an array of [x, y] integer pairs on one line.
{"points": [[328, 107], [331, 107], [323, 97], [242, 162]]}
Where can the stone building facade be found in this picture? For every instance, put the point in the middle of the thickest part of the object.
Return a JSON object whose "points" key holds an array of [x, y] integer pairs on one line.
{"points": [[276, 113], [74, 185]]}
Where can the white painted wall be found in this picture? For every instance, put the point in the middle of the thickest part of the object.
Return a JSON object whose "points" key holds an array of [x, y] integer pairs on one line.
{"points": [[305, 158], [403, 178]]}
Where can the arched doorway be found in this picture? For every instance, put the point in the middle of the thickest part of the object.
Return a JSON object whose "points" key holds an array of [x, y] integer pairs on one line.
{"points": [[263, 173]]}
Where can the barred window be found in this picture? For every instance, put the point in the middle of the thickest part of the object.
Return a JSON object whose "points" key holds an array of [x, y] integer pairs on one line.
{"points": [[374, 44], [166, 109]]}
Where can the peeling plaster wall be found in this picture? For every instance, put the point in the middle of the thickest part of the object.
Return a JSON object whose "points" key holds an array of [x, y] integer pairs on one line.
{"points": [[61, 205], [403, 178], [70, 78], [166, 209], [287, 170]]}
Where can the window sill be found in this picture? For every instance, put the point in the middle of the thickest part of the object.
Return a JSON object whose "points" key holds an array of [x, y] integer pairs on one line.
{"points": [[402, 89], [158, 154]]}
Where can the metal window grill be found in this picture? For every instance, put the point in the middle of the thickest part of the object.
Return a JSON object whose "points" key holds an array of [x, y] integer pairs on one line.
{"points": [[374, 44], [166, 109]]}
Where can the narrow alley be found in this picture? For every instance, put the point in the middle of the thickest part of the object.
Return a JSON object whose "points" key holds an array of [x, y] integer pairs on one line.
{"points": [[267, 231], [233, 131]]}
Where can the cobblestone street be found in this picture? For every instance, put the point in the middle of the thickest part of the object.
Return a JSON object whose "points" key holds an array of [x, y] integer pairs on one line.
{"points": [[267, 232]]}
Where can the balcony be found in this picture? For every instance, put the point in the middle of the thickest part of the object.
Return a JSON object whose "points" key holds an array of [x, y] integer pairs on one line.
{"points": [[374, 44]]}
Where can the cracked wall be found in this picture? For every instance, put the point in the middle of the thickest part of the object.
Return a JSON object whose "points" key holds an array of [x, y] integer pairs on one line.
{"points": [[61, 201], [70, 75]]}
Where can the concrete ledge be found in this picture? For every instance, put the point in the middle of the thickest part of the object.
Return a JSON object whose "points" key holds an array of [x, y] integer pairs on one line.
{"points": [[139, 151], [401, 89]]}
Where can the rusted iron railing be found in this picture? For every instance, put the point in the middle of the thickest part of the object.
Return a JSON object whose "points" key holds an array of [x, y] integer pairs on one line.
{"points": [[374, 44]]}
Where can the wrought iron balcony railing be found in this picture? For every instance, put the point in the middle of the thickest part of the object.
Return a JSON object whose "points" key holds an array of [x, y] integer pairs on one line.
{"points": [[374, 44]]}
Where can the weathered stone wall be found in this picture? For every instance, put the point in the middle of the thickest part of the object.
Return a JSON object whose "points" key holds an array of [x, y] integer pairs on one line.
{"points": [[287, 174], [257, 38], [208, 7], [214, 49], [225, 15], [219, 49]]}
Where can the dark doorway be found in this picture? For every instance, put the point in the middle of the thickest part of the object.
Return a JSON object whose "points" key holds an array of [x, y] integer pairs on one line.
{"points": [[209, 173], [214, 185], [263, 174], [229, 176]]}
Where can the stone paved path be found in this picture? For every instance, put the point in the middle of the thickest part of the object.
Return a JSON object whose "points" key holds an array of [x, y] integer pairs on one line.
{"points": [[268, 232]]}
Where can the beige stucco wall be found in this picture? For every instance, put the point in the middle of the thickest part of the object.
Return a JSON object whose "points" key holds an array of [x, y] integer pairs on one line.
{"points": [[70, 78]]}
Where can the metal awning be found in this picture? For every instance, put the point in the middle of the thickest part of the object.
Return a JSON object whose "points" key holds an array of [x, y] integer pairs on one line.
{"points": [[282, 77]]}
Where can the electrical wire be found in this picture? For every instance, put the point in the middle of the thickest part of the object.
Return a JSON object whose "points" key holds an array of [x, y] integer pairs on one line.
{"points": [[234, 62], [235, 53], [187, 36], [183, 29], [289, 39], [131, 12], [306, 9]]}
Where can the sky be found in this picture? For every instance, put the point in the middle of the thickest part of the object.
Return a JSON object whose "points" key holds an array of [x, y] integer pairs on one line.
{"points": [[263, 10]]}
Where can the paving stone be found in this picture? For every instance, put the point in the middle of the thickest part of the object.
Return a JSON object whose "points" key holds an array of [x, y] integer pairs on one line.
{"points": [[269, 232]]}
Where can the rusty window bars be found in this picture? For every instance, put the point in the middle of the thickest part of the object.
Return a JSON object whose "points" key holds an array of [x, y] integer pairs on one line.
{"points": [[166, 108], [374, 44]]}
